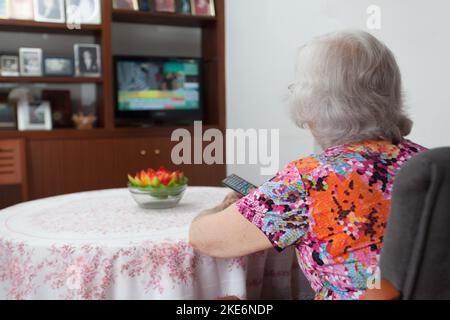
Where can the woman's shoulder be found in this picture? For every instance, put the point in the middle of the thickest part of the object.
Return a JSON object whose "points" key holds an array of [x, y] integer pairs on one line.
{"points": [[318, 161]]}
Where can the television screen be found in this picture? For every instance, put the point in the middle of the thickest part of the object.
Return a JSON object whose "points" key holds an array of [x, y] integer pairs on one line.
{"points": [[156, 84]]}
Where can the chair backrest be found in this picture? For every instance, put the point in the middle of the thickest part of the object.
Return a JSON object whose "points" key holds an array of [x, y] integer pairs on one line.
{"points": [[12, 162], [416, 252]]}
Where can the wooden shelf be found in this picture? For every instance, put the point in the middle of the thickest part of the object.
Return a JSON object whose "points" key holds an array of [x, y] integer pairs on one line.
{"points": [[46, 27], [158, 18], [50, 80]]}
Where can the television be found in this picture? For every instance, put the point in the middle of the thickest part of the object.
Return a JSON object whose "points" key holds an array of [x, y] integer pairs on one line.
{"points": [[157, 91]]}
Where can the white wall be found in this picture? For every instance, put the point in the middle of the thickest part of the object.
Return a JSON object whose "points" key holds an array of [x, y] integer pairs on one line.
{"points": [[262, 40]]}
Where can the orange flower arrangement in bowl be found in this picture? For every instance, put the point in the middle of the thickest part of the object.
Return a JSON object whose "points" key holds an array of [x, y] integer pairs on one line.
{"points": [[159, 189]]}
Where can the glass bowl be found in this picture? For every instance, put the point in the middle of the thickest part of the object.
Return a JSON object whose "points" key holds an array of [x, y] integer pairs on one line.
{"points": [[157, 198]]}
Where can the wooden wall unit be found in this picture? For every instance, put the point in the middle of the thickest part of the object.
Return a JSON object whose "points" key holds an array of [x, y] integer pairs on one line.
{"points": [[67, 160]]}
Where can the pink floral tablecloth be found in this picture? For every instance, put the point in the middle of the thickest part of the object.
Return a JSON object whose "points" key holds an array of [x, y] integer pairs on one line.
{"points": [[101, 245]]}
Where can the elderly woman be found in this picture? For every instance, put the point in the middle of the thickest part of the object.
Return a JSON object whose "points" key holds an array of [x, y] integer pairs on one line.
{"points": [[332, 207]]}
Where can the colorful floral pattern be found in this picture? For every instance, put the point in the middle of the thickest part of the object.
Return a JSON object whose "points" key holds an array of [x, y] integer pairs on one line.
{"points": [[333, 208]]}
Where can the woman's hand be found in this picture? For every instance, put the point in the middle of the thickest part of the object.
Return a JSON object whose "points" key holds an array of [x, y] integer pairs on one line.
{"points": [[231, 198]]}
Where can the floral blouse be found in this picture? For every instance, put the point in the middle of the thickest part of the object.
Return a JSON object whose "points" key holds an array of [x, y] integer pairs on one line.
{"points": [[333, 208]]}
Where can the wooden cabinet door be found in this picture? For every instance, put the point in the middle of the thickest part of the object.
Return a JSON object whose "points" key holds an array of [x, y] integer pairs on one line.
{"points": [[133, 155], [45, 168], [88, 165]]}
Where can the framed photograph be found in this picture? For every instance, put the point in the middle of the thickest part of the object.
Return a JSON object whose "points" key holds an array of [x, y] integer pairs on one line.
{"points": [[61, 105], [21, 10], [9, 66], [49, 11], [58, 66], [126, 4], [165, 6], [87, 60], [203, 7], [4, 9], [34, 116], [30, 62], [7, 116], [84, 11], [184, 6]]}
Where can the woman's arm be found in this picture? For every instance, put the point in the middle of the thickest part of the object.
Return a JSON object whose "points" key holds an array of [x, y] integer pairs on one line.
{"points": [[272, 216], [227, 234]]}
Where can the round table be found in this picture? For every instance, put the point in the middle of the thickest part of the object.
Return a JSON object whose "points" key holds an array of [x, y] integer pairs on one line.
{"points": [[101, 245]]}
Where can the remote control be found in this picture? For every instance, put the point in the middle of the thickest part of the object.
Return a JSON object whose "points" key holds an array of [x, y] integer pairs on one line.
{"points": [[238, 184]]}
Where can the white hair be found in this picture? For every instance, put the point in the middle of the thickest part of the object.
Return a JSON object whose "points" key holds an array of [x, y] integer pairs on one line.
{"points": [[349, 89]]}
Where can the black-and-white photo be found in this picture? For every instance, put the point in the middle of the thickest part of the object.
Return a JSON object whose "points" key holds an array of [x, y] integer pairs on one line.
{"points": [[87, 60], [30, 61], [55, 66], [83, 11], [49, 11], [36, 114], [9, 66]]}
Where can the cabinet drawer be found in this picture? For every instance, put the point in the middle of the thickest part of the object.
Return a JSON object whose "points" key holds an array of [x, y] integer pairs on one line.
{"points": [[11, 161]]}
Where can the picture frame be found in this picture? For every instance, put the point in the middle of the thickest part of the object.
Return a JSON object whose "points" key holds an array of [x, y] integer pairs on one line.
{"points": [[34, 116], [168, 6], [8, 116], [126, 4], [4, 9], [84, 11], [9, 65], [87, 60], [22, 10], [30, 62], [184, 7], [58, 67], [203, 8], [49, 11], [145, 5]]}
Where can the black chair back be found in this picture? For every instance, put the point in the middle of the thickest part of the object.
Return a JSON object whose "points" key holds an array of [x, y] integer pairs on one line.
{"points": [[416, 252]]}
